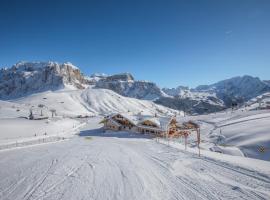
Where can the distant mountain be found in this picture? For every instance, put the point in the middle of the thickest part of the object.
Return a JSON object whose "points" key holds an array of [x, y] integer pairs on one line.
{"points": [[238, 89], [25, 78], [178, 91], [28, 77], [202, 99], [217, 96], [183, 98], [125, 84], [94, 78], [267, 82]]}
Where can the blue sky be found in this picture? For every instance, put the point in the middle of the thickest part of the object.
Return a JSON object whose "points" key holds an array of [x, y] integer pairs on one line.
{"points": [[169, 42]]}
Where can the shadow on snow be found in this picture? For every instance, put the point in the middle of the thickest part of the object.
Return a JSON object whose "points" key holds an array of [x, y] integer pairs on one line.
{"points": [[118, 134]]}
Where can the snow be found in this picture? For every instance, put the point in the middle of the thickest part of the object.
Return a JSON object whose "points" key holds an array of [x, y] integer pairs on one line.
{"points": [[29, 129], [241, 133], [124, 84], [259, 102], [118, 165], [104, 101], [184, 92], [70, 106], [96, 165], [71, 65], [121, 165], [25, 78]]}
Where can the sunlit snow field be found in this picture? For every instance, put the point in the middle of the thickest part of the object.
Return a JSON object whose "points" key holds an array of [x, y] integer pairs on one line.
{"points": [[91, 164]]}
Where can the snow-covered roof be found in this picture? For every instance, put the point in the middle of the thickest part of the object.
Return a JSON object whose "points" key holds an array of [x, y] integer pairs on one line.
{"points": [[154, 120], [132, 118], [160, 122], [114, 122]]}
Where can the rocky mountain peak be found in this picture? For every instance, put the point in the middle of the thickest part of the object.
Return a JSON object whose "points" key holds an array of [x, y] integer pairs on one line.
{"points": [[125, 84], [120, 77], [28, 77]]}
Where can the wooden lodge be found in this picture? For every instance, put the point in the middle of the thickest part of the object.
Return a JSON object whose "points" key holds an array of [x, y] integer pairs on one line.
{"points": [[119, 122], [159, 126]]}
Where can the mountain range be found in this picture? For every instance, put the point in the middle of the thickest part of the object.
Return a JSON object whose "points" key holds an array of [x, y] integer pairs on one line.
{"points": [[25, 78]]}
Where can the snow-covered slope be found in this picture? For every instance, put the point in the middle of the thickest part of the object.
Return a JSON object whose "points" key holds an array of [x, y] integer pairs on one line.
{"points": [[125, 166], [90, 101], [242, 132], [259, 102], [105, 101], [69, 106]]}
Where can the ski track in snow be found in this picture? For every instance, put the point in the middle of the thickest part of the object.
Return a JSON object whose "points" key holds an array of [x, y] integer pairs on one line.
{"points": [[122, 168]]}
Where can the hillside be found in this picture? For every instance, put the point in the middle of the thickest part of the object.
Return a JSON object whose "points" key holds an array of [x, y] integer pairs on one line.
{"points": [[90, 101], [241, 132], [70, 106]]}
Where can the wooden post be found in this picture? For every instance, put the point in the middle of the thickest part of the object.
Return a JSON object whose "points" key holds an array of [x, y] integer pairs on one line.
{"points": [[186, 140], [198, 139], [167, 135]]}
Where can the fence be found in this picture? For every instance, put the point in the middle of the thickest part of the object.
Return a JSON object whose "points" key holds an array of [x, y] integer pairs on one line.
{"points": [[31, 142]]}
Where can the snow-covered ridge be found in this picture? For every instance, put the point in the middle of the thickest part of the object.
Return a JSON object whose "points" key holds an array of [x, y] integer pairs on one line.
{"points": [[125, 84], [86, 102], [240, 88], [217, 96], [245, 87]]}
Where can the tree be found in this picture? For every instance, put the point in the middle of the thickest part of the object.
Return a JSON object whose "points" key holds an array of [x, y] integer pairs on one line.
{"points": [[41, 106]]}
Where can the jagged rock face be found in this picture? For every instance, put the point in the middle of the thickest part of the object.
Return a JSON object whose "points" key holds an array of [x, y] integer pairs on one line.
{"points": [[120, 77], [175, 91], [94, 78], [124, 84], [25, 78]]}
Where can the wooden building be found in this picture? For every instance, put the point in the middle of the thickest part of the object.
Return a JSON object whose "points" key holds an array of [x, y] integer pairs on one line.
{"points": [[160, 126]]}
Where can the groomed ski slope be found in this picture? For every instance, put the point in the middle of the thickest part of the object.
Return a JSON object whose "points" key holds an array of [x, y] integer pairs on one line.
{"points": [[99, 166]]}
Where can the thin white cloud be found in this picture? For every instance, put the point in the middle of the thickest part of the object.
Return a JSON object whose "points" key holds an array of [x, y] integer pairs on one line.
{"points": [[228, 32]]}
